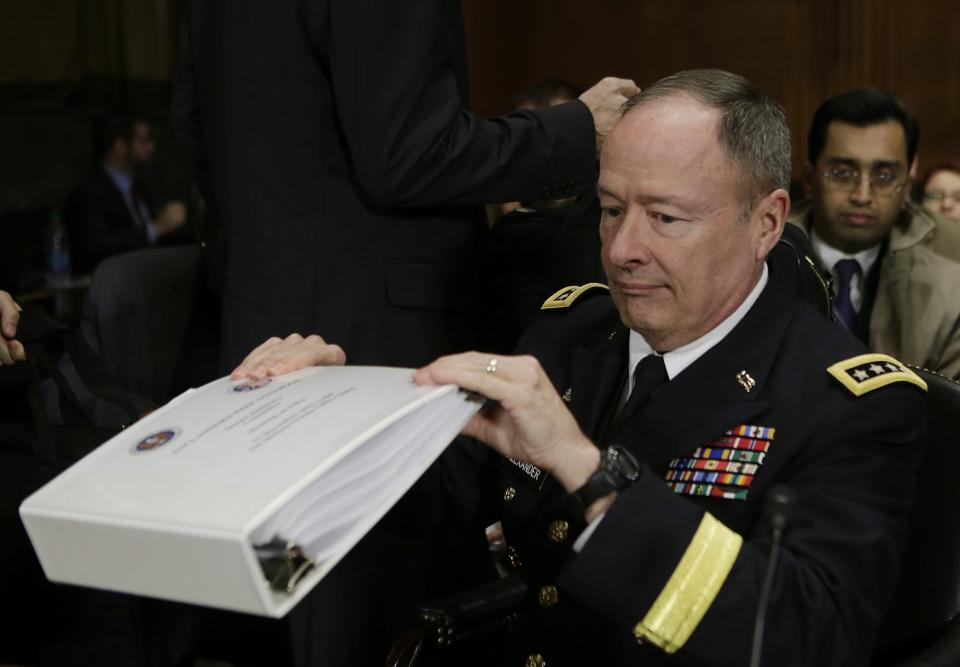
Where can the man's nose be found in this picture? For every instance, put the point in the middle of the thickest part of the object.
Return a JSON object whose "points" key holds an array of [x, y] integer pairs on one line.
{"points": [[862, 193], [630, 242]]}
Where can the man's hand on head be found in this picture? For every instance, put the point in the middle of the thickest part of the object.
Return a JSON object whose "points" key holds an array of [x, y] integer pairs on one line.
{"points": [[11, 350], [529, 423], [605, 100], [277, 356]]}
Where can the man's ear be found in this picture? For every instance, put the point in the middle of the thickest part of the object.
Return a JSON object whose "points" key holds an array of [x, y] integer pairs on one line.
{"points": [[913, 166], [772, 212], [911, 179]]}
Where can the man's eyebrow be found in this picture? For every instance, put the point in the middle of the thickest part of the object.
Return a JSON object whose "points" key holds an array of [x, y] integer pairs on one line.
{"points": [[648, 199], [605, 191], [856, 163]]}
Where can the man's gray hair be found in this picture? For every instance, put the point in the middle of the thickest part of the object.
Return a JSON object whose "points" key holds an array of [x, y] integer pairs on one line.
{"points": [[753, 127]]}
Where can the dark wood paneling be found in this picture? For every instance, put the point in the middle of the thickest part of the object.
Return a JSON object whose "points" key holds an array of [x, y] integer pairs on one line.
{"points": [[799, 51]]}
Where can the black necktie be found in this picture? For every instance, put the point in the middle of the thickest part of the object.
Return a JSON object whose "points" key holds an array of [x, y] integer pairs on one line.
{"points": [[649, 375]]}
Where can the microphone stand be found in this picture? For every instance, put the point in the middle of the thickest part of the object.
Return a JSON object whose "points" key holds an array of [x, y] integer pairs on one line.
{"points": [[779, 510]]}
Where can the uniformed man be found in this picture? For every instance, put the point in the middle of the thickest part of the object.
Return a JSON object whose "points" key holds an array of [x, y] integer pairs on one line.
{"points": [[643, 426]]}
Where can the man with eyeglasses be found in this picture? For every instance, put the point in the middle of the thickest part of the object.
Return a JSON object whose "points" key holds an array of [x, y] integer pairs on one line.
{"points": [[895, 267]]}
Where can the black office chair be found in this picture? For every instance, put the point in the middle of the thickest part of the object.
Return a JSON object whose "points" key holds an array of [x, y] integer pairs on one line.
{"points": [[152, 321], [922, 626]]}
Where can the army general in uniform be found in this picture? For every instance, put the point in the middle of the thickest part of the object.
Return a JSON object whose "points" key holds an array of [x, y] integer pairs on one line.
{"points": [[633, 441]]}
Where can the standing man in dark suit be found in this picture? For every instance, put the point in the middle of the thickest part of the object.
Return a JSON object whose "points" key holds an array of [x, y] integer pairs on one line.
{"points": [[336, 150], [341, 159], [110, 212]]}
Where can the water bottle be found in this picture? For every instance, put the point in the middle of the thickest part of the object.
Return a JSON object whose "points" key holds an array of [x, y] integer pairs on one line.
{"points": [[58, 253]]}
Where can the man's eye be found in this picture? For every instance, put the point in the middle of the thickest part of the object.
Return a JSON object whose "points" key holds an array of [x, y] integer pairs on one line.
{"points": [[611, 212], [883, 177], [843, 173], [663, 218]]}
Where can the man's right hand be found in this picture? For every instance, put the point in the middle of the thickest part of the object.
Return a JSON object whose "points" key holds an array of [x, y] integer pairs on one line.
{"points": [[604, 101], [11, 350], [277, 356]]}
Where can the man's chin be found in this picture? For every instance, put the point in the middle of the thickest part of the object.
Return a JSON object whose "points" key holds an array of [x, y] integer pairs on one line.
{"points": [[641, 324], [857, 238]]}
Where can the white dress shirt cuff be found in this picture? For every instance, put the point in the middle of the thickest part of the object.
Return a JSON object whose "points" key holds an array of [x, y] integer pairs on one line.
{"points": [[587, 532]]}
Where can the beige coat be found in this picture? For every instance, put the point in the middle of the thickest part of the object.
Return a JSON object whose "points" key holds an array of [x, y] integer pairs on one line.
{"points": [[916, 314]]}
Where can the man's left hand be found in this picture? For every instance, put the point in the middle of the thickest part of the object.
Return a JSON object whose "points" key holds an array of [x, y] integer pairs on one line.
{"points": [[529, 423]]}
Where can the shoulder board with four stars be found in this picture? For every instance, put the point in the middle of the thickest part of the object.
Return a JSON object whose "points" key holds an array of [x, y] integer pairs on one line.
{"points": [[866, 372], [567, 296]]}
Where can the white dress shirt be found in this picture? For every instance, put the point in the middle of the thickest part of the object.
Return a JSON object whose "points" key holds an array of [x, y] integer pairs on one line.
{"points": [[138, 210]]}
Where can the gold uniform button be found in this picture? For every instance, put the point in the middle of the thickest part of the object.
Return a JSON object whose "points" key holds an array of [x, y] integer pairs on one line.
{"points": [[558, 531], [509, 493], [547, 597], [536, 660], [514, 558]]}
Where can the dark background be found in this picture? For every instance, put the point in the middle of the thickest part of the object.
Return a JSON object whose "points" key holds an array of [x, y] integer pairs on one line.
{"points": [[63, 61]]}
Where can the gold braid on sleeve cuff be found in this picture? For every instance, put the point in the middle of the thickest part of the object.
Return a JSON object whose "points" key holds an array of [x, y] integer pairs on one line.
{"points": [[692, 587]]}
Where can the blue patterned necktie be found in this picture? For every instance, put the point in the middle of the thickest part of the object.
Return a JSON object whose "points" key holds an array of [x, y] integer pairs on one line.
{"points": [[846, 269]]}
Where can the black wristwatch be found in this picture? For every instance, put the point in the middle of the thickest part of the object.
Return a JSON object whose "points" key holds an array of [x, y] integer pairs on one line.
{"points": [[618, 469]]}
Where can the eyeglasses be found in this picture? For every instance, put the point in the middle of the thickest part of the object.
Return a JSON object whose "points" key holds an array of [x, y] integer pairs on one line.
{"points": [[937, 197], [883, 182]]}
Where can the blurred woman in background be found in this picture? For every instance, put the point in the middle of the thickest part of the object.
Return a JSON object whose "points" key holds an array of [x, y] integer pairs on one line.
{"points": [[940, 191]]}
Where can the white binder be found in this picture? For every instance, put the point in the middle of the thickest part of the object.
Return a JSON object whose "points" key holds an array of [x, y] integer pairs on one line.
{"points": [[302, 466]]}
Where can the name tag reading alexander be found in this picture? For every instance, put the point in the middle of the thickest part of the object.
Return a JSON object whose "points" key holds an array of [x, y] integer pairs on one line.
{"points": [[533, 473]]}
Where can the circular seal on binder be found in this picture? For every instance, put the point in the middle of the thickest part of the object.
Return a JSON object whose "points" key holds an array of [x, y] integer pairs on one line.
{"points": [[156, 440], [249, 385]]}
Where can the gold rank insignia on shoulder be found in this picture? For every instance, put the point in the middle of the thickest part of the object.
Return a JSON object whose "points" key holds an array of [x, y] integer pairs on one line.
{"points": [[866, 372], [566, 297]]}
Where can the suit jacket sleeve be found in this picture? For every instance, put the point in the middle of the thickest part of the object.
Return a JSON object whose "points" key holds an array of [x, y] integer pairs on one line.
{"points": [[674, 576], [411, 142]]}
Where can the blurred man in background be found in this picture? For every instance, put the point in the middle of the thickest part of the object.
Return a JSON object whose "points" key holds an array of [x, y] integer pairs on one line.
{"points": [[111, 211]]}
